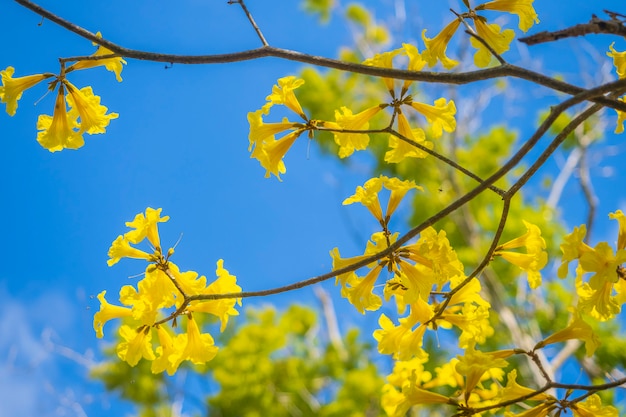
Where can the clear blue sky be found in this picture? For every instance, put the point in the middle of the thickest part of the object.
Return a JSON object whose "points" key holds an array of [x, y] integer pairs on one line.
{"points": [[180, 143]]}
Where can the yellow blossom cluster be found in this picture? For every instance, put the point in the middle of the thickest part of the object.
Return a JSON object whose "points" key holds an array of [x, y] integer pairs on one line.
{"points": [[603, 294], [163, 295], [491, 33], [350, 129], [65, 128]]}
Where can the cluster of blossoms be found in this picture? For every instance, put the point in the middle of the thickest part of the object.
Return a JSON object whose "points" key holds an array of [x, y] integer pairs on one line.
{"points": [[350, 129], [499, 40], [65, 128], [431, 291], [164, 288], [602, 295]]}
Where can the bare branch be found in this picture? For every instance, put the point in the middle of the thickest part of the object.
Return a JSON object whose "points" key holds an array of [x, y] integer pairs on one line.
{"points": [[595, 26], [251, 19], [269, 51]]}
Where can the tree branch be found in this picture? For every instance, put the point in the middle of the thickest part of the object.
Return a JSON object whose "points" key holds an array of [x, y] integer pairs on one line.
{"points": [[270, 51]]}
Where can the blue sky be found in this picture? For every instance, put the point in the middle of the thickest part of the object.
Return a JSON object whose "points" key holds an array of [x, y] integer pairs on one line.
{"points": [[180, 143]]}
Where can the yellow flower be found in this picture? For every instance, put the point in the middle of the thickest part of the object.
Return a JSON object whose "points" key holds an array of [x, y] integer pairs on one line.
{"points": [[164, 352], [473, 320], [401, 149], [490, 33], [57, 132], [359, 291], [136, 344], [146, 226], [349, 142], [436, 47], [120, 248], [223, 308], [86, 106], [111, 64], [532, 261], [441, 115], [384, 60], [596, 296], [12, 88], [107, 312], [522, 8], [199, 348], [473, 364], [619, 61], [368, 195], [282, 93], [592, 407], [621, 235], [265, 148], [577, 329], [416, 61], [513, 390], [573, 248]]}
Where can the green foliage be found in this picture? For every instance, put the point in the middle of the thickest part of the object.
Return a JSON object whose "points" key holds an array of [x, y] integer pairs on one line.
{"points": [[322, 8], [279, 366], [271, 364]]}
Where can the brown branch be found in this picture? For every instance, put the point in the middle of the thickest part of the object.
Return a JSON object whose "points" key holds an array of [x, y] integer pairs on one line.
{"points": [[270, 51], [251, 20], [595, 26]]}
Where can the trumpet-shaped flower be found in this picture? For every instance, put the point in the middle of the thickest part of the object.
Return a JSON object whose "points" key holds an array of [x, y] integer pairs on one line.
{"points": [[120, 248], [146, 226], [401, 149], [265, 148], [416, 61], [436, 47], [165, 351], [619, 61], [573, 247], [532, 261], [282, 93], [13, 88], [473, 320], [114, 64], [384, 60], [368, 195], [348, 142], [359, 291], [223, 308], [473, 365], [514, 390], [578, 329], [107, 312], [86, 107], [441, 115], [621, 234], [199, 348], [592, 407], [496, 38], [136, 344], [522, 8], [57, 132]]}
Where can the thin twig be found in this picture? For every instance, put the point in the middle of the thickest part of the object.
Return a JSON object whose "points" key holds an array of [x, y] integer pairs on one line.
{"points": [[251, 19], [595, 26]]}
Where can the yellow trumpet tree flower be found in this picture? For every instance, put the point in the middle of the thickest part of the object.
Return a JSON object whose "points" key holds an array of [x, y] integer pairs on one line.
{"points": [[113, 64], [13, 87]]}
